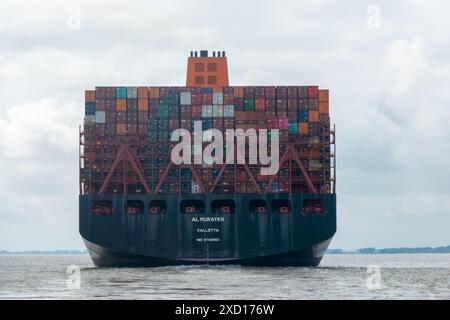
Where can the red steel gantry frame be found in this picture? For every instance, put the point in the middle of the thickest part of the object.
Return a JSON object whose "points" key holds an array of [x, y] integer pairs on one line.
{"points": [[124, 152]]}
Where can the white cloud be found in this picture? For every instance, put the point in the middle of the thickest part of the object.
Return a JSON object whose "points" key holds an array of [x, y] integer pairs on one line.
{"points": [[31, 130], [405, 64]]}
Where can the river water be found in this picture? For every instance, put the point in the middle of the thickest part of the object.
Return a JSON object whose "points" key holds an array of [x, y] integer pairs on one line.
{"points": [[349, 276]]}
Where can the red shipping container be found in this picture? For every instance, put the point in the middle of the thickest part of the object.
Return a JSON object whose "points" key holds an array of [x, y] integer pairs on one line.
{"points": [[121, 117], [110, 117], [196, 111], [271, 104], [100, 129], [185, 124], [164, 92], [100, 105], [195, 90], [260, 104], [100, 93], [228, 98], [132, 128], [207, 98], [281, 92], [313, 92], [302, 92], [270, 92], [228, 123], [143, 116], [292, 104], [110, 105], [249, 92], [218, 123], [185, 110], [259, 92], [173, 123], [292, 116], [272, 123], [302, 103], [196, 98], [227, 90], [281, 105], [292, 92], [142, 128]]}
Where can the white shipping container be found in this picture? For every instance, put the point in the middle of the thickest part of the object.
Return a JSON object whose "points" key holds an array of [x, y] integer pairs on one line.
{"points": [[100, 117], [228, 110], [217, 98], [217, 111], [132, 92], [314, 139], [89, 119], [207, 111], [315, 164], [185, 98]]}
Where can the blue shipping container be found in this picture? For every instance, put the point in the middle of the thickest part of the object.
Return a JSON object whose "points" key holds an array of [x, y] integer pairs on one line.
{"points": [[303, 116], [89, 108], [207, 90], [207, 124]]}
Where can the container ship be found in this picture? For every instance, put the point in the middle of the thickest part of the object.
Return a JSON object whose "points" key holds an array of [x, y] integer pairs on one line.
{"points": [[138, 207]]}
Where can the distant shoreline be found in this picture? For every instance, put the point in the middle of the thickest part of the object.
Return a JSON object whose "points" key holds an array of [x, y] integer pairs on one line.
{"points": [[391, 250], [329, 251], [45, 252]]}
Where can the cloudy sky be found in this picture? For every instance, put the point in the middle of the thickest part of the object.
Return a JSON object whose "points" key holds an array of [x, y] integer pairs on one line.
{"points": [[386, 64]]}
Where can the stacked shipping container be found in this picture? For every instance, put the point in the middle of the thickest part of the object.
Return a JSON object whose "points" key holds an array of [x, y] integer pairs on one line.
{"points": [[143, 118]]}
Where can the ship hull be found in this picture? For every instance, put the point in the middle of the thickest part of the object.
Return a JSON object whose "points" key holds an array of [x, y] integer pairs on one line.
{"points": [[239, 238]]}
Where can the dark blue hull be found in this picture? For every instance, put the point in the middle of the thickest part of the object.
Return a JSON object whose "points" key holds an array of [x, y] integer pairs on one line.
{"points": [[174, 238]]}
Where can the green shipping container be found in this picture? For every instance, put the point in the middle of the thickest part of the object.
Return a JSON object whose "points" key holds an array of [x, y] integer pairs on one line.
{"points": [[293, 127], [121, 92], [249, 104]]}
